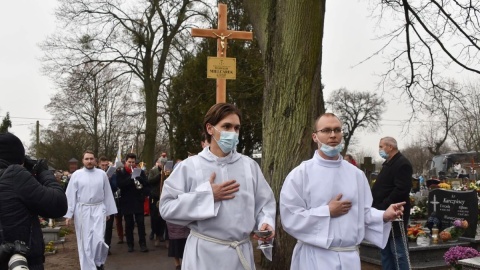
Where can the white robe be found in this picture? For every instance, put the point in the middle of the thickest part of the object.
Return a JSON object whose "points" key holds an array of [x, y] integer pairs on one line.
{"points": [[305, 214], [187, 199], [90, 201]]}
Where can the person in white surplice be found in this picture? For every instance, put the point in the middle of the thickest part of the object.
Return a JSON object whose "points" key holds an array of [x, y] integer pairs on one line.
{"points": [[90, 202], [222, 196], [325, 203]]}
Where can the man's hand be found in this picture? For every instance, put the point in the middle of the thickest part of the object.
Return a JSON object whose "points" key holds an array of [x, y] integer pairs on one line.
{"points": [[339, 208], [393, 212], [265, 227], [224, 190], [67, 221]]}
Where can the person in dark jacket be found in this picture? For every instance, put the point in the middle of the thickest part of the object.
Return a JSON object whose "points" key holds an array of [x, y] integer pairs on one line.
{"points": [[131, 201], [393, 185], [155, 180], [104, 165], [23, 197]]}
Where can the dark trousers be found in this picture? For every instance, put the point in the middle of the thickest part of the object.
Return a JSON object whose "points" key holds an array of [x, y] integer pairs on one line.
{"points": [[158, 224], [108, 230], [36, 267], [129, 224], [119, 225]]}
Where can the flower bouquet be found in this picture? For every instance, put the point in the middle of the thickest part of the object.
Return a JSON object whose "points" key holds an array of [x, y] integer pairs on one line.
{"points": [[454, 254], [43, 222], [414, 231], [417, 212], [444, 186], [452, 233]]}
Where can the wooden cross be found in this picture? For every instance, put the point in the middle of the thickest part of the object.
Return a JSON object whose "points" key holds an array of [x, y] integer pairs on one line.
{"points": [[222, 34]]}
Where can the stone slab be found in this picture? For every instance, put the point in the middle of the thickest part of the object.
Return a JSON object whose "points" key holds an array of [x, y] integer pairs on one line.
{"points": [[50, 234], [470, 264], [421, 257]]}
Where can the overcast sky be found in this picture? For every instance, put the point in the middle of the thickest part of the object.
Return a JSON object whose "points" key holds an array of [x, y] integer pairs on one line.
{"points": [[25, 91]]}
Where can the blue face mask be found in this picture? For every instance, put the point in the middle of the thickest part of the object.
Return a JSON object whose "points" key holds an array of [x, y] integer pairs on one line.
{"points": [[383, 154], [330, 151], [228, 141]]}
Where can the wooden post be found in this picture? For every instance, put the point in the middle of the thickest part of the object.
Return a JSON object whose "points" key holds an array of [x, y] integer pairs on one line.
{"points": [[222, 34]]}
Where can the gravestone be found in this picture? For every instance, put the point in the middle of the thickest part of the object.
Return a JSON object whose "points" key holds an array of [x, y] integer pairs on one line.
{"points": [[415, 185], [450, 205], [367, 167]]}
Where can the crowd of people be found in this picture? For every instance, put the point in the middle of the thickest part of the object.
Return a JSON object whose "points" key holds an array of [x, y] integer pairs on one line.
{"points": [[207, 206]]}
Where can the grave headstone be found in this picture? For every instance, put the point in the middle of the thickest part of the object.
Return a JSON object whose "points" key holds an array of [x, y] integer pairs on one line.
{"points": [[450, 205], [415, 185], [367, 167]]}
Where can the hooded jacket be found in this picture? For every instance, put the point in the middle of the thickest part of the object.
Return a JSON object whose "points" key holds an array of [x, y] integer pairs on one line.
{"points": [[22, 199]]}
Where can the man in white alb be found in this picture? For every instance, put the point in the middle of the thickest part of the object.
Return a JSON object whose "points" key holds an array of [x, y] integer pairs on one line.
{"points": [[325, 203], [90, 202], [222, 196]]}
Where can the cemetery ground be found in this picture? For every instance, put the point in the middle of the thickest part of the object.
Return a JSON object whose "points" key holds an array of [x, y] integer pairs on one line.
{"points": [[67, 255]]}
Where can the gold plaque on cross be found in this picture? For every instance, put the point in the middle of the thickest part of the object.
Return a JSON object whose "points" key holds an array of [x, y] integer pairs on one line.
{"points": [[222, 68]]}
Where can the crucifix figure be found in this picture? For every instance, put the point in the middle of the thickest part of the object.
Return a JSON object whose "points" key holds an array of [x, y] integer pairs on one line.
{"points": [[222, 34]]}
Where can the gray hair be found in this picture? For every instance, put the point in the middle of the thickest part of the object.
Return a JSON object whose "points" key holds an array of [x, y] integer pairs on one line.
{"points": [[390, 141]]}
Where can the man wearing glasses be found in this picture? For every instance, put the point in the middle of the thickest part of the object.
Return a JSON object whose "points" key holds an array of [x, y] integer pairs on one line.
{"points": [[325, 203]]}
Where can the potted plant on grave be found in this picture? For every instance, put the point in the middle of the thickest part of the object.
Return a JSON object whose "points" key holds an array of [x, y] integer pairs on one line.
{"points": [[414, 231], [455, 231], [50, 248], [454, 254]]}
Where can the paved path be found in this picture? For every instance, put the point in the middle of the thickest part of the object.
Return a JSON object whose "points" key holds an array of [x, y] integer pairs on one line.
{"points": [[156, 258]]}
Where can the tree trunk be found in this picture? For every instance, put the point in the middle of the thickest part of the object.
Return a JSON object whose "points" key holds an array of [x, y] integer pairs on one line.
{"points": [[290, 35], [151, 94]]}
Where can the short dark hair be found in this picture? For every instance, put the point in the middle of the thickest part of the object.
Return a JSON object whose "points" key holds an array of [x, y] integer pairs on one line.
{"points": [[216, 113], [322, 115], [103, 158], [88, 152], [130, 155]]}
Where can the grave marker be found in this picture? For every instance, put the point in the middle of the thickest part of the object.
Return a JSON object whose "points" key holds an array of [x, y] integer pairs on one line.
{"points": [[450, 205]]}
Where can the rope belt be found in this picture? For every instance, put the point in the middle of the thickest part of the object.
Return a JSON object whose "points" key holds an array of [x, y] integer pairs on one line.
{"points": [[90, 204], [337, 249], [233, 244]]}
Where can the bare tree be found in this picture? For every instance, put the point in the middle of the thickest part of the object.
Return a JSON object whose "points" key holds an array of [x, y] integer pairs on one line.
{"points": [[133, 37], [95, 103], [437, 36], [418, 155], [359, 111], [465, 134], [443, 108]]}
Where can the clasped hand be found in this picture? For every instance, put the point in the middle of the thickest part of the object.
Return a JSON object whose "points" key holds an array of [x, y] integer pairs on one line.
{"points": [[225, 190], [338, 207]]}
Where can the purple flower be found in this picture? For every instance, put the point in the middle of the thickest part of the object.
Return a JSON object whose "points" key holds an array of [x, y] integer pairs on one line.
{"points": [[457, 223], [459, 253]]}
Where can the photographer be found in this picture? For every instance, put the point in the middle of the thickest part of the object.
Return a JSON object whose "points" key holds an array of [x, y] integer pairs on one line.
{"points": [[23, 197]]}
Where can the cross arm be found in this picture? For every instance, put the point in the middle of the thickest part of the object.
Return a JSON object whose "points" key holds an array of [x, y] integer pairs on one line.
{"points": [[228, 34]]}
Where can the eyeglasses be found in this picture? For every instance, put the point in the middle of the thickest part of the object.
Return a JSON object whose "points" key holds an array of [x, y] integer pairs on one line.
{"points": [[329, 130]]}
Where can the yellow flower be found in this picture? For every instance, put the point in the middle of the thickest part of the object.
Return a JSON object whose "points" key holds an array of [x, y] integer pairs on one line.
{"points": [[444, 186]]}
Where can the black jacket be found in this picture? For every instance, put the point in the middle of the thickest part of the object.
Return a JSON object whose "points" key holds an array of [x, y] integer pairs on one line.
{"points": [[393, 185], [22, 199], [132, 199], [154, 180]]}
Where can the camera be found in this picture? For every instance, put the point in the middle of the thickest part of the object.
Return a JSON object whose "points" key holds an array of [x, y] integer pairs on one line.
{"points": [[17, 262], [34, 166], [19, 250]]}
